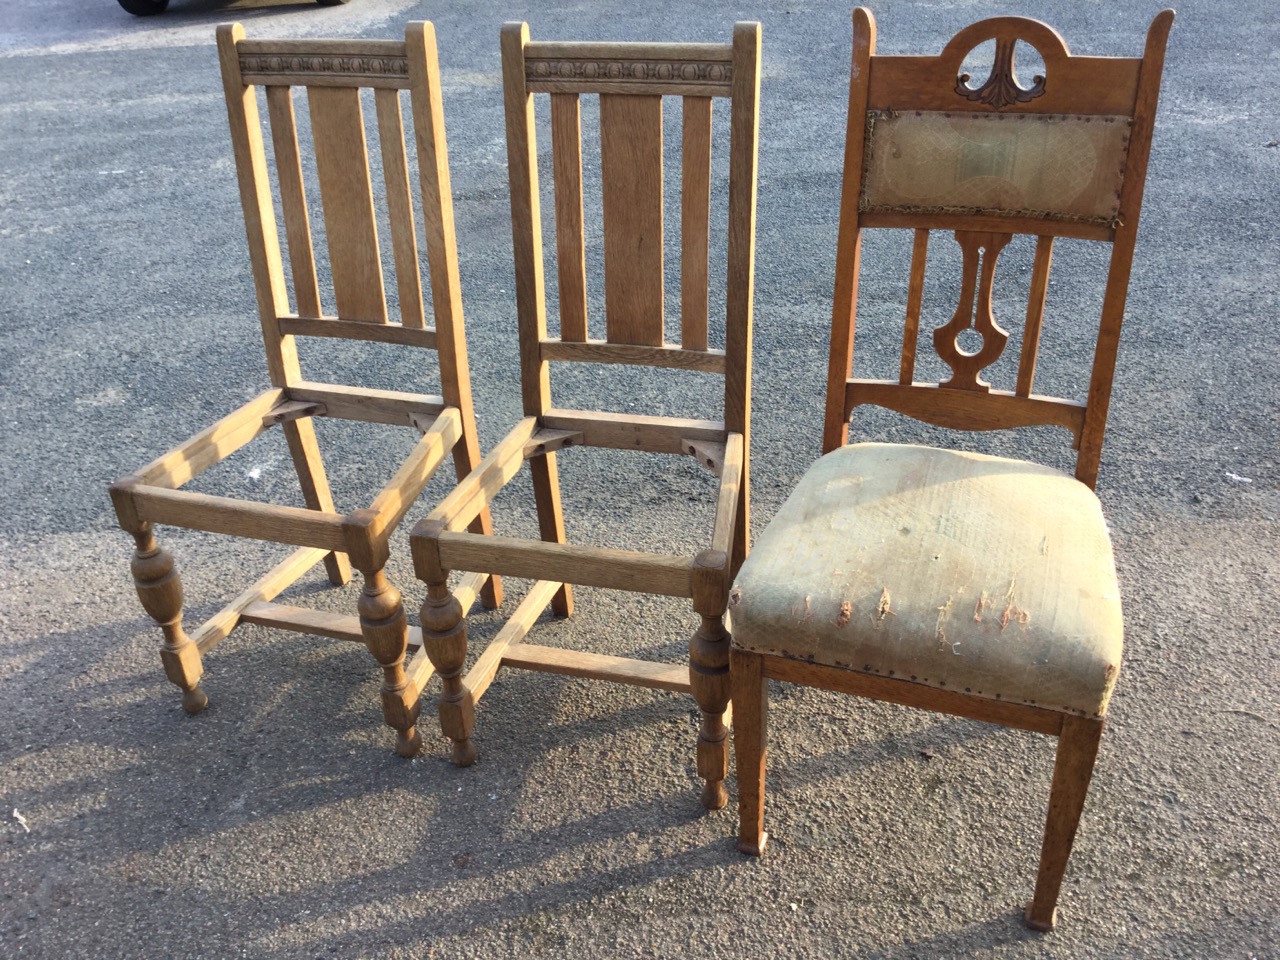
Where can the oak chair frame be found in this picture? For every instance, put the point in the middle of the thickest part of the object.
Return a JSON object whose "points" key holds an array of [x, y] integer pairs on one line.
{"points": [[332, 72], [631, 79], [1093, 86]]}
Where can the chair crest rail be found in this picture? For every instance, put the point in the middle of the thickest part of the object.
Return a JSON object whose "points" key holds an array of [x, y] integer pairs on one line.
{"points": [[318, 63], [674, 69]]}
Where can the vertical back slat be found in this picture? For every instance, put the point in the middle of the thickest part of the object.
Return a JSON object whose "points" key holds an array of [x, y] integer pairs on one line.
{"points": [[293, 198], [1035, 315], [404, 236], [427, 107], [631, 160], [346, 195], [695, 221], [915, 297], [571, 250]]}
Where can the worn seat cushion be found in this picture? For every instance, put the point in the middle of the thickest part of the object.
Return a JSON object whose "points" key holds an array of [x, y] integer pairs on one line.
{"points": [[979, 574]]}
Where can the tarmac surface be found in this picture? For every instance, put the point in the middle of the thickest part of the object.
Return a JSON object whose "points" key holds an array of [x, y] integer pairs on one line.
{"points": [[279, 823]]}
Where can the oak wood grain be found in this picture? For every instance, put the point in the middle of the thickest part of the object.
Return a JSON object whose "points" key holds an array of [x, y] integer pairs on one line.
{"points": [[631, 190], [346, 196], [571, 250], [665, 355], [597, 666], [695, 220], [404, 236], [588, 566]]}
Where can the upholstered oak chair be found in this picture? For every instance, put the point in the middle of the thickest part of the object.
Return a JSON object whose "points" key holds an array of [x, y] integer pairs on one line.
{"points": [[974, 585], [634, 83], [332, 75]]}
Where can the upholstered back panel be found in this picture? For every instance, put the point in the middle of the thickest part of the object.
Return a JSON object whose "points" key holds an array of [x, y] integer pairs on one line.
{"points": [[1025, 165]]}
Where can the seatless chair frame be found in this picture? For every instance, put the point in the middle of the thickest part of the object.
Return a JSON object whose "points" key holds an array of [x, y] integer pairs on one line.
{"points": [[631, 79], [1112, 102], [332, 72]]}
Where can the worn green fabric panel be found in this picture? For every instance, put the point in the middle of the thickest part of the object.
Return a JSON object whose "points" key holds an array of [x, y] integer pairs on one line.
{"points": [[1025, 165]]}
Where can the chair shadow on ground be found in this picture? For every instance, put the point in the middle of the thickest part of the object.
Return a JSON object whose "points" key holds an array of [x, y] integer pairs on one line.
{"points": [[138, 793]]}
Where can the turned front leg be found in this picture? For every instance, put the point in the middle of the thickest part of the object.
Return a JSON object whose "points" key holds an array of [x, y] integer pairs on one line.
{"points": [[386, 634], [160, 590], [709, 675], [444, 637], [383, 625]]}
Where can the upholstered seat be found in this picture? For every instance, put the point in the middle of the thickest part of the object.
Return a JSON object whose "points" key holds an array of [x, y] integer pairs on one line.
{"points": [[967, 572]]}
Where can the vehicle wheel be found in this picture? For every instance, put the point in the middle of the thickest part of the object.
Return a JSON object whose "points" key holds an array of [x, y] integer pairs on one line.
{"points": [[331, 3], [144, 8]]}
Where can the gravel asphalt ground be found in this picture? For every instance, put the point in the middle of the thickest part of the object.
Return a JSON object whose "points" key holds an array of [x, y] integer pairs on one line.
{"points": [[279, 823]]}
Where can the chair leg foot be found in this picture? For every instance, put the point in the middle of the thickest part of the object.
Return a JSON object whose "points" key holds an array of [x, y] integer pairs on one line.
{"points": [[457, 712], [408, 742], [1035, 922], [194, 700], [714, 795], [464, 753], [753, 848]]}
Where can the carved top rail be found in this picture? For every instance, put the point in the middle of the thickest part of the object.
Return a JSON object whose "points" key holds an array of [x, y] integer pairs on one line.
{"points": [[1097, 86], [687, 69], [325, 63]]}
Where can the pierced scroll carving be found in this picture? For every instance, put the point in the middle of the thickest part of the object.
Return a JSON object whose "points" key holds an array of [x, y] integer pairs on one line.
{"points": [[981, 251], [1001, 88]]}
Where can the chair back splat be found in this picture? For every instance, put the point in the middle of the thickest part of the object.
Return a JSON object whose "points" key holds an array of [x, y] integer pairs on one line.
{"points": [[930, 148], [632, 80], [331, 75], [978, 586], [337, 79], [634, 83]]}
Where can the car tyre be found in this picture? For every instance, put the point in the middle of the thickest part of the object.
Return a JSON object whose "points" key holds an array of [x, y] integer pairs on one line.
{"points": [[145, 8]]}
